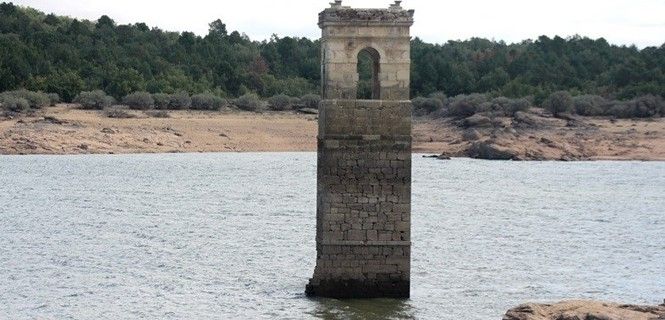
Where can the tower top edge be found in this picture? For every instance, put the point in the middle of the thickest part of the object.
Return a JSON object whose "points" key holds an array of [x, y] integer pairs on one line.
{"points": [[337, 13]]}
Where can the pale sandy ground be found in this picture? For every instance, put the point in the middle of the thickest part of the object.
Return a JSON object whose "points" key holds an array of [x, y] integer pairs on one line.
{"points": [[67, 130]]}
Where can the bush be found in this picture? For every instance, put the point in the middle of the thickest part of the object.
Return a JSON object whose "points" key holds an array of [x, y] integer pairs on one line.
{"points": [[498, 104], [280, 102], [439, 96], [161, 100], [559, 102], [423, 106], [296, 103], [648, 106], [207, 101], [179, 101], [36, 100], [506, 106], [96, 100], [54, 98], [14, 104], [621, 110], [516, 105], [139, 101], [589, 105], [118, 113], [249, 102], [310, 101], [463, 106]]}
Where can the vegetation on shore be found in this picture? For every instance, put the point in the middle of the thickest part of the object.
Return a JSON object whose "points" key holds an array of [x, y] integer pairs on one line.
{"points": [[49, 53]]}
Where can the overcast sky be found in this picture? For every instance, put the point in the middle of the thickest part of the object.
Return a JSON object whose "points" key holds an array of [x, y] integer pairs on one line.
{"points": [[639, 22]]}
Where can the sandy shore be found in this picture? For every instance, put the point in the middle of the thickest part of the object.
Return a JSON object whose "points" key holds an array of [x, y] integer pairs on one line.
{"points": [[67, 130]]}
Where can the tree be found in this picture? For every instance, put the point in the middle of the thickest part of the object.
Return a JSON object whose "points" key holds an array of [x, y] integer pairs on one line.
{"points": [[52, 53], [217, 29]]}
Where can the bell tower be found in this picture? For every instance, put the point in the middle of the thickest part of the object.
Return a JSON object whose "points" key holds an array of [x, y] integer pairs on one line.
{"points": [[363, 233]]}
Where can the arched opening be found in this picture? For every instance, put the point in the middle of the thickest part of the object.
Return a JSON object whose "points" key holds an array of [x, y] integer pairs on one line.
{"points": [[369, 86]]}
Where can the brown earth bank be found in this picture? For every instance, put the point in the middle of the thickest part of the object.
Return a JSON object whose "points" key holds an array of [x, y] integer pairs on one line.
{"points": [[65, 129], [585, 310]]}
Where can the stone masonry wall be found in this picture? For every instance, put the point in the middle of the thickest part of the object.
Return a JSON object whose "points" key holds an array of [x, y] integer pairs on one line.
{"points": [[364, 199]]}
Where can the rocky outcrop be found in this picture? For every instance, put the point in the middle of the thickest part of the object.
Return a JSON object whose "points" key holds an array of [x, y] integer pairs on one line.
{"points": [[476, 120], [529, 120], [585, 310], [488, 150]]}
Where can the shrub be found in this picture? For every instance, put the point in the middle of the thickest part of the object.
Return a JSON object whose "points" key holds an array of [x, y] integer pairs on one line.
{"points": [[423, 106], [507, 106], [589, 105], [53, 98], [14, 104], [559, 102], [161, 100], [648, 106], [207, 101], [118, 113], [280, 102], [179, 101], [296, 103], [439, 96], [96, 100], [249, 102], [311, 101], [463, 106], [500, 104], [621, 110], [139, 101], [36, 100], [516, 105]]}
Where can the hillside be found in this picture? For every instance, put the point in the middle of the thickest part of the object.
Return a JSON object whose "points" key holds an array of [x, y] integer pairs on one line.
{"points": [[63, 55]]}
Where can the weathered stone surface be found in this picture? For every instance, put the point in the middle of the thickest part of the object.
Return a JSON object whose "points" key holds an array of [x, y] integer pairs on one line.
{"points": [[585, 310], [384, 33], [526, 120], [477, 120], [363, 235], [471, 135], [490, 151]]}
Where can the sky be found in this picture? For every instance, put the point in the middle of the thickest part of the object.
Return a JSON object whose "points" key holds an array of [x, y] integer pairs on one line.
{"points": [[623, 22]]}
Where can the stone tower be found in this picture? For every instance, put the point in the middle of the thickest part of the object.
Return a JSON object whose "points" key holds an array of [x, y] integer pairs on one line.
{"points": [[363, 232]]}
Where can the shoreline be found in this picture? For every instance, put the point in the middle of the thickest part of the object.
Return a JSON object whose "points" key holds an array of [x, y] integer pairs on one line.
{"points": [[67, 130]]}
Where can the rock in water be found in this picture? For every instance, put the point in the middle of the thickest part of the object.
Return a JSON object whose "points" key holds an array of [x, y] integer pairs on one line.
{"points": [[585, 310]]}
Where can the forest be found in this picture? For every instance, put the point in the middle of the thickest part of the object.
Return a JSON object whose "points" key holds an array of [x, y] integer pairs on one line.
{"points": [[65, 56]]}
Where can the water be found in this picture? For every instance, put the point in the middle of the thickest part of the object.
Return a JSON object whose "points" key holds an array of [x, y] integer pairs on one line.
{"points": [[201, 236]]}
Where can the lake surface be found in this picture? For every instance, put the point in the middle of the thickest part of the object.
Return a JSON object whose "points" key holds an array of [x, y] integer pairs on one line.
{"points": [[225, 236]]}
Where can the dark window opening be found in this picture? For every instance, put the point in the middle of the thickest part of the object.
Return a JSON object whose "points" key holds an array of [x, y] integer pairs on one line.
{"points": [[369, 86]]}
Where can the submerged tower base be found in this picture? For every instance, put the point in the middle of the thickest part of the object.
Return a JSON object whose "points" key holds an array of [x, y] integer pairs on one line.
{"points": [[364, 200], [358, 289]]}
